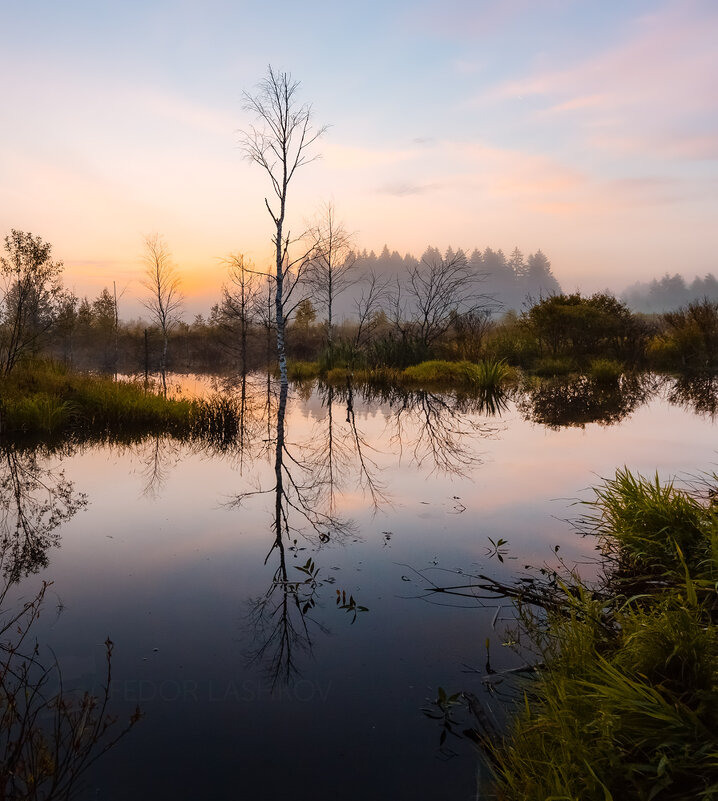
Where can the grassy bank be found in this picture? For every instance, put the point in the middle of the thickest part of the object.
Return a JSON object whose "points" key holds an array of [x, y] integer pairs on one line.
{"points": [[625, 705], [464, 375], [46, 399]]}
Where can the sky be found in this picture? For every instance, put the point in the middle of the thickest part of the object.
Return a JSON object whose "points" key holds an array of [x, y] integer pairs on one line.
{"points": [[588, 129]]}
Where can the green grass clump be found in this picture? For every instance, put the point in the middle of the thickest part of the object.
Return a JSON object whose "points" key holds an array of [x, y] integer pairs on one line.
{"points": [[550, 366], [609, 717], [625, 703], [606, 371], [463, 374], [302, 371], [652, 527], [45, 398]]}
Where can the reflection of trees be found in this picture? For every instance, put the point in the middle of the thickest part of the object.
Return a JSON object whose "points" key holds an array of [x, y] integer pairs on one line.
{"points": [[303, 494], [697, 393], [48, 738], [558, 403], [439, 430], [339, 450], [157, 455], [34, 501]]}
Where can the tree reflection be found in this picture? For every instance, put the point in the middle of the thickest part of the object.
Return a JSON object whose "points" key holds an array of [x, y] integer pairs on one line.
{"points": [[560, 404], [437, 430], [48, 737], [697, 393], [34, 501], [305, 478]]}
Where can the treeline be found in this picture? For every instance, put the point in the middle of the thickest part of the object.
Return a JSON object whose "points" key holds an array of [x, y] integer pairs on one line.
{"points": [[510, 282], [669, 293], [403, 312]]}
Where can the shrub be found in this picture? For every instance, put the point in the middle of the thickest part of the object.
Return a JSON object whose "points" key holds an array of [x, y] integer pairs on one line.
{"points": [[606, 371]]}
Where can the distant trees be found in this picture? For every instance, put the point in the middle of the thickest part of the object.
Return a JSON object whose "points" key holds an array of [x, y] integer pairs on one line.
{"points": [[32, 296], [512, 283], [164, 300], [670, 293], [280, 144]]}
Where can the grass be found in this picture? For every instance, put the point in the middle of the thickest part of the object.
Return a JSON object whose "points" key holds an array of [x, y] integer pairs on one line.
{"points": [[625, 705], [47, 399], [550, 366], [481, 376], [302, 371], [606, 371]]}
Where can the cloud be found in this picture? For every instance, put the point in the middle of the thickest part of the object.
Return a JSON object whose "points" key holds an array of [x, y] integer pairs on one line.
{"points": [[654, 91], [402, 189]]}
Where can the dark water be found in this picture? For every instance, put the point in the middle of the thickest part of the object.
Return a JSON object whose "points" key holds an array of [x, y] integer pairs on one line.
{"points": [[260, 674]]}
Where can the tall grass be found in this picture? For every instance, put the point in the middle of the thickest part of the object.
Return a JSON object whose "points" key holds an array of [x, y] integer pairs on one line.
{"points": [[485, 375], [46, 398], [625, 705]]}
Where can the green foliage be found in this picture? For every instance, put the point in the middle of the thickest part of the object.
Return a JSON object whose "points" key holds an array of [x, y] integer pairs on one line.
{"points": [[551, 366], [653, 526], [606, 371], [48, 398], [395, 352], [625, 704], [513, 342], [484, 375], [302, 371], [341, 354], [599, 324], [692, 336]]}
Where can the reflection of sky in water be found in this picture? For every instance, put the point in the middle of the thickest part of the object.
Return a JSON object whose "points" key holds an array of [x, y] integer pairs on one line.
{"points": [[167, 570]]}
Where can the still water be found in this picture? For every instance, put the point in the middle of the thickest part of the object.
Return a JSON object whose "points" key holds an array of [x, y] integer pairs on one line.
{"points": [[268, 598]]}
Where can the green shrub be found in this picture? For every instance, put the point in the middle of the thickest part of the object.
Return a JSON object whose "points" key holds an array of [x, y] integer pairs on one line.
{"points": [[606, 371], [302, 371], [550, 366]]}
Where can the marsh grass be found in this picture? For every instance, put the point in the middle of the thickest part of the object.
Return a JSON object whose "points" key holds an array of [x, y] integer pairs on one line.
{"points": [[625, 705], [551, 366], [605, 371], [47, 399], [303, 371]]}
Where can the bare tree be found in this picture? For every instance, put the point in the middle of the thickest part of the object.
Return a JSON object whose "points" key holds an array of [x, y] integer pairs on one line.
{"points": [[165, 299], [241, 299], [329, 271], [437, 291], [369, 306], [280, 143]]}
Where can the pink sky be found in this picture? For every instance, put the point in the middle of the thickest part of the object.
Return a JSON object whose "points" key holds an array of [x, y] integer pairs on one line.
{"points": [[591, 133]]}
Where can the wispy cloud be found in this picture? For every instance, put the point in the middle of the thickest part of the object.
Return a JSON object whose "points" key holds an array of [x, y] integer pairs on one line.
{"points": [[405, 188], [644, 92]]}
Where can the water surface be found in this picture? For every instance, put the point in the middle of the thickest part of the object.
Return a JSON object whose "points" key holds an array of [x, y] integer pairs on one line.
{"points": [[264, 674]]}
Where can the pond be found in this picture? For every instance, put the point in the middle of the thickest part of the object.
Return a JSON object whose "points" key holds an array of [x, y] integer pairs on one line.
{"points": [[267, 598]]}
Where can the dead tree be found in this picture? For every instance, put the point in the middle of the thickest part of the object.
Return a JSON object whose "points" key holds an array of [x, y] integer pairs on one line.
{"points": [[165, 299], [436, 292], [241, 299], [280, 143], [329, 272]]}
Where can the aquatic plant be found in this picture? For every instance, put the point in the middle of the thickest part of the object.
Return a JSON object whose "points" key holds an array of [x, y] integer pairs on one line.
{"points": [[623, 699]]}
